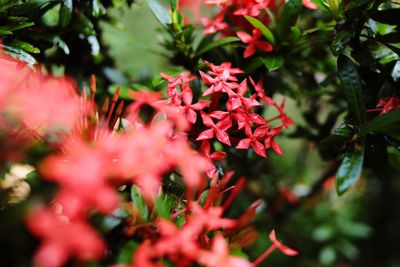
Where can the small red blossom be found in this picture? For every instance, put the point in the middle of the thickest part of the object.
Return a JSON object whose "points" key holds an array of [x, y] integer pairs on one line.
{"points": [[309, 4], [219, 255], [253, 42], [215, 25]]}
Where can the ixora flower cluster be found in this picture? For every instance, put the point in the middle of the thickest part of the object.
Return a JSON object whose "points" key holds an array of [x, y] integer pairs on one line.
{"points": [[96, 151], [230, 19]]}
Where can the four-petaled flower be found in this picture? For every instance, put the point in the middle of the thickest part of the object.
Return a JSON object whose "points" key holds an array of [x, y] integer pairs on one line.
{"points": [[253, 42]]}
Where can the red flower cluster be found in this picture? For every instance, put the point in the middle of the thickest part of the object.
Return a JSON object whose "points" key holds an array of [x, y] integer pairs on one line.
{"points": [[97, 151], [231, 121]]}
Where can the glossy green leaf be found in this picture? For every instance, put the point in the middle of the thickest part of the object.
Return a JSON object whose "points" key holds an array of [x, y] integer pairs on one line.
{"points": [[254, 64], [349, 171], [352, 89], [296, 33], [331, 146], [86, 26], [16, 26], [389, 16], [139, 203], [259, 25], [388, 123], [25, 46], [340, 41], [217, 43], [159, 12], [66, 13], [19, 54], [273, 62]]}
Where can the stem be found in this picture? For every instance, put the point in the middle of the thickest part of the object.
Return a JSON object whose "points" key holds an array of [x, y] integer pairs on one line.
{"points": [[263, 256]]}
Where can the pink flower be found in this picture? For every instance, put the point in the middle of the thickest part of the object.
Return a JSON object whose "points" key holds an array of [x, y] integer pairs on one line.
{"points": [[214, 25], [309, 4], [284, 249], [219, 130], [219, 255], [60, 241], [253, 42]]}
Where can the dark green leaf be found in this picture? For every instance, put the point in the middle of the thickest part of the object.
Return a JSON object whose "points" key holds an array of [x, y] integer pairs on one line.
{"points": [[388, 123], [393, 37], [19, 54], [159, 12], [389, 16], [66, 13], [331, 146], [86, 26], [352, 88], [259, 25], [217, 43], [139, 203], [17, 26], [357, 5], [254, 64], [273, 62], [288, 17], [349, 171], [340, 41]]}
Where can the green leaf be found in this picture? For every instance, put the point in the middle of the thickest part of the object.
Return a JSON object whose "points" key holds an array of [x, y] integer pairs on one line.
{"points": [[288, 17], [139, 203], [66, 13], [296, 32], [352, 88], [259, 25], [163, 206], [388, 123], [126, 252], [86, 26], [340, 41], [19, 54], [349, 171], [393, 37], [389, 16], [273, 62], [254, 64], [173, 4], [331, 146], [159, 12], [217, 43], [25, 46], [97, 8], [16, 26]]}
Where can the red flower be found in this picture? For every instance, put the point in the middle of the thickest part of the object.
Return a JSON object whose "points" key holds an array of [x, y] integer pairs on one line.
{"points": [[285, 250], [309, 4], [254, 141], [214, 25], [253, 42], [60, 241], [219, 130], [219, 255], [189, 108]]}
